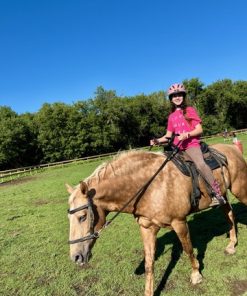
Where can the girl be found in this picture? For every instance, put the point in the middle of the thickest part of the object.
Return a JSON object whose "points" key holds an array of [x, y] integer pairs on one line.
{"points": [[185, 121]]}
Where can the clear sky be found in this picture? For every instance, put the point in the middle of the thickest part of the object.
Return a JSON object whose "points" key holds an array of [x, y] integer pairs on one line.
{"points": [[62, 50]]}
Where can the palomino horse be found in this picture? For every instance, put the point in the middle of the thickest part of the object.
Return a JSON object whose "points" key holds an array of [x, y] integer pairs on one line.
{"points": [[161, 203]]}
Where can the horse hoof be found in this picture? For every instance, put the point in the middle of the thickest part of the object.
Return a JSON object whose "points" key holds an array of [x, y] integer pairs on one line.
{"points": [[230, 251], [196, 278]]}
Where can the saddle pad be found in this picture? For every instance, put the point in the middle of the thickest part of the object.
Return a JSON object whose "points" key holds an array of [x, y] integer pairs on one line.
{"points": [[213, 158]]}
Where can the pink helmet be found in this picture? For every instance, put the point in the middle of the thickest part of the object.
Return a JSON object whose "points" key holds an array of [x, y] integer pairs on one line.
{"points": [[176, 88]]}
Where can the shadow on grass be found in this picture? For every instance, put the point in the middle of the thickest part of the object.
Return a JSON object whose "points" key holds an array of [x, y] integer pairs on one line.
{"points": [[204, 227]]}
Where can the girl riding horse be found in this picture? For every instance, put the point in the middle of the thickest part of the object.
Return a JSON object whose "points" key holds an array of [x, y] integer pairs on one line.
{"points": [[185, 121]]}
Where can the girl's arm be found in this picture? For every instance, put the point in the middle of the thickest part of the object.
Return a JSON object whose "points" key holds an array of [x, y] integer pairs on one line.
{"points": [[161, 140], [197, 131]]}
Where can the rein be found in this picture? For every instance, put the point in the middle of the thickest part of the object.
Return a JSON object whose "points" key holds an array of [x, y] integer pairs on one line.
{"points": [[145, 186], [95, 234]]}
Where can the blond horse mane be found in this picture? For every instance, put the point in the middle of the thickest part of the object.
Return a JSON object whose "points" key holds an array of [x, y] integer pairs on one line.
{"points": [[122, 164]]}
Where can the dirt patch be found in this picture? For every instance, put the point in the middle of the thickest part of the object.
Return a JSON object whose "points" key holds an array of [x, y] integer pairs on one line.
{"points": [[14, 217], [18, 181], [138, 252], [40, 202], [15, 233], [43, 201], [170, 286], [82, 289], [198, 289], [238, 287], [42, 281]]}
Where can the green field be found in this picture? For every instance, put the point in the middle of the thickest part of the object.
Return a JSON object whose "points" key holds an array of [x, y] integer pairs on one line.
{"points": [[35, 260]]}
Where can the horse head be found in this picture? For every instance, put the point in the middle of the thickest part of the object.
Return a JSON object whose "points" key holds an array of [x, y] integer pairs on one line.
{"points": [[85, 221]]}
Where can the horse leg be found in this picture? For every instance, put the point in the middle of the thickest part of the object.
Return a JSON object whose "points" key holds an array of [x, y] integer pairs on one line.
{"points": [[148, 233], [230, 249], [182, 231], [239, 187], [239, 190]]}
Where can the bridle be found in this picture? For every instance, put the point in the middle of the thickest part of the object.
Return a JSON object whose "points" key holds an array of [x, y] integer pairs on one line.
{"points": [[93, 234]]}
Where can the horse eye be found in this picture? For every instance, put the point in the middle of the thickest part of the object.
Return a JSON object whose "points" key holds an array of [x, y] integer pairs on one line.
{"points": [[82, 218]]}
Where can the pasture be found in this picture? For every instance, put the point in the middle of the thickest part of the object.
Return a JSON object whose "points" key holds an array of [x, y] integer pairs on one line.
{"points": [[35, 255]]}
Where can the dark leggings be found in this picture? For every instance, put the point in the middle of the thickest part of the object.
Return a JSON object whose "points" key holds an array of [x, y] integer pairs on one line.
{"points": [[195, 154]]}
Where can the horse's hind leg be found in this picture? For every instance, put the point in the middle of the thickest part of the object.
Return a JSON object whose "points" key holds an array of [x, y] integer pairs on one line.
{"points": [[148, 233], [239, 182], [182, 230], [239, 190], [230, 249]]}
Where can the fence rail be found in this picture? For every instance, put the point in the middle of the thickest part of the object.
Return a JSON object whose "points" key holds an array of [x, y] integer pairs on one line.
{"points": [[9, 175]]}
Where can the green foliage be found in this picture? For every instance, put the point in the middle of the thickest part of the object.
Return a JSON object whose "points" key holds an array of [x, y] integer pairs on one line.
{"points": [[238, 108], [223, 104], [108, 123], [62, 132], [17, 146]]}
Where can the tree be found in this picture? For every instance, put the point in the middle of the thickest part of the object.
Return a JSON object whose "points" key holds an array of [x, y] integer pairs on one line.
{"points": [[15, 137], [238, 106], [62, 134], [102, 129], [215, 103], [151, 114], [194, 89]]}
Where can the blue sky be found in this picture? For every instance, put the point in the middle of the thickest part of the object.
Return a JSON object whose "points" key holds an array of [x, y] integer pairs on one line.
{"points": [[57, 50]]}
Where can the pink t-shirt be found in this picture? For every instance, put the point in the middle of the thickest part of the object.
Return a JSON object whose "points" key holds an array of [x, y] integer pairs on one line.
{"points": [[178, 124]]}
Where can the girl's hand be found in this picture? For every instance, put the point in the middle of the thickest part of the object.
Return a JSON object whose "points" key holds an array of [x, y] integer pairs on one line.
{"points": [[183, 136], [154, 142]]}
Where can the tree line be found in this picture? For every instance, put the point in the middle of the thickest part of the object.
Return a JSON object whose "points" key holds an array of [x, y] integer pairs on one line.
{"points": [[109, 123]]}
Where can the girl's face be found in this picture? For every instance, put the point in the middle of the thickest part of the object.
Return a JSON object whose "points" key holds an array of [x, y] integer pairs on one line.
{"points": [[177, 99]]}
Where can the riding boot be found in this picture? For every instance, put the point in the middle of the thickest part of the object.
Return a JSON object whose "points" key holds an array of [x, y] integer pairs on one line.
{"points": [[217, 199]]}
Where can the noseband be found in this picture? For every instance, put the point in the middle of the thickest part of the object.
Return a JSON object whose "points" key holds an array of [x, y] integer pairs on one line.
{"points": [[92, 234]]}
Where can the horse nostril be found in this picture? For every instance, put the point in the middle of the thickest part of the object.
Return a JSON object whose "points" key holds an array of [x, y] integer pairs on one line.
{"points": [[78, 258]]}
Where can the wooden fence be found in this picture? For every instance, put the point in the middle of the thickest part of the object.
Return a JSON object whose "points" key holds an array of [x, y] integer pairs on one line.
{"points": [[9, 175]]}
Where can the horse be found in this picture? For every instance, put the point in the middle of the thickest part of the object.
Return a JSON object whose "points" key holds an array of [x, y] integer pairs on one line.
{"points": [[117, 186]]}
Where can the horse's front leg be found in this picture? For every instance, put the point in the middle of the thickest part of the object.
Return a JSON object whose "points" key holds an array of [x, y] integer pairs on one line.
{"points": [[182, 231], [230, 249], [148, 233]]}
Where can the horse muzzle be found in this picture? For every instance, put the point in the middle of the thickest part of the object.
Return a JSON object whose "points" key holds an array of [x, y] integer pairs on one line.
{"points": [[81, 258]]}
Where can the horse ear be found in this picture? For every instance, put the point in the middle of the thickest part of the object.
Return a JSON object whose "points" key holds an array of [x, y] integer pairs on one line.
{"points": [[69, 188], [83, 187]]}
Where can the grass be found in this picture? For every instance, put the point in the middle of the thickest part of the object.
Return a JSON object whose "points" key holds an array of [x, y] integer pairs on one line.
{"points": [[34, 254]]}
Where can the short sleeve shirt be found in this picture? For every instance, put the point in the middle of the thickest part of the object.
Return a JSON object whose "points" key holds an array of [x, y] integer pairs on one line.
{"points": [[178, 124]]}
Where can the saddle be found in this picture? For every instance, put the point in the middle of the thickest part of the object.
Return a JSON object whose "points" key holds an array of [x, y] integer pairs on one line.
{"points": [[213, 158]]}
